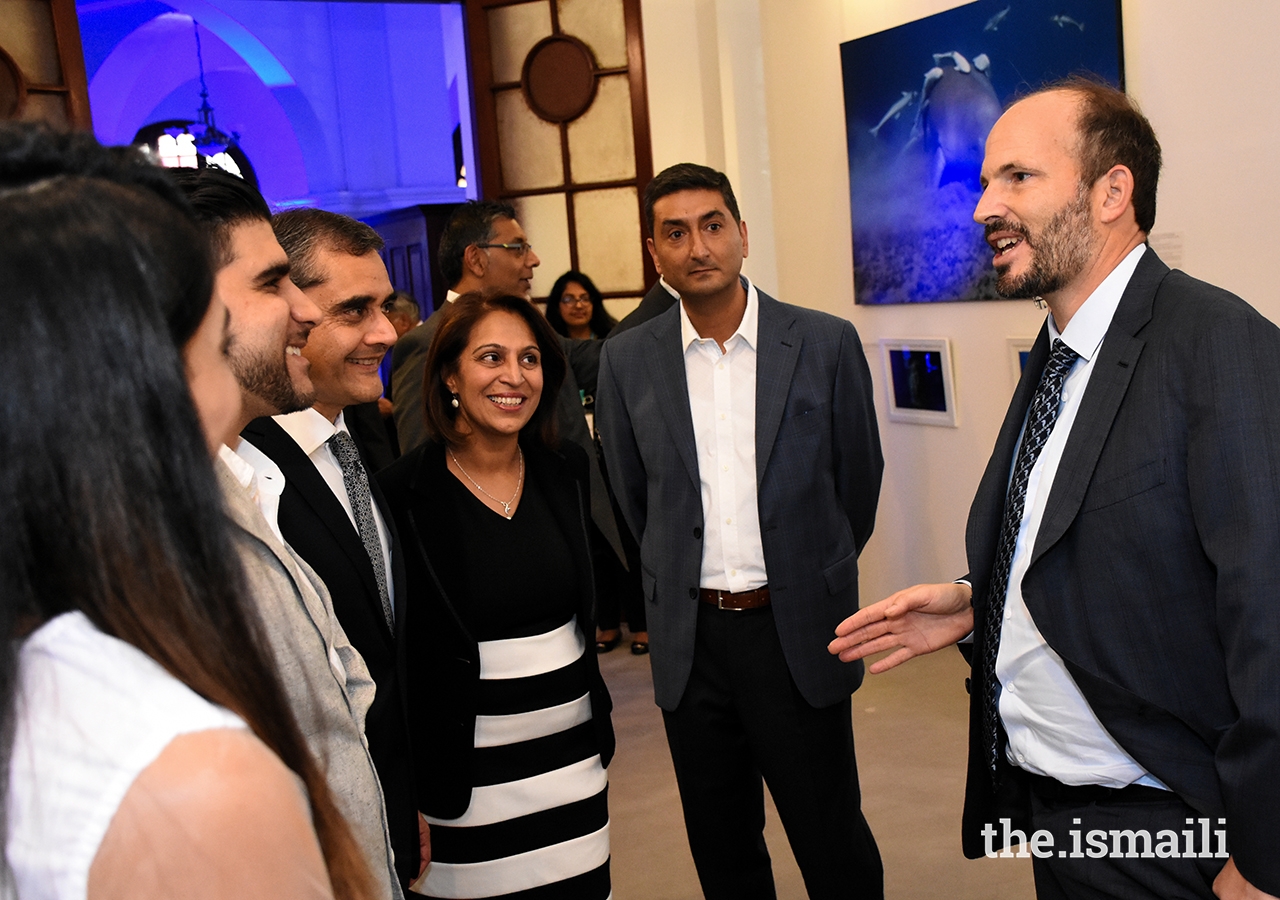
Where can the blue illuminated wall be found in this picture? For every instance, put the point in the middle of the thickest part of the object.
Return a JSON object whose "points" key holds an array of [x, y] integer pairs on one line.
{"points": [[346, 106]]}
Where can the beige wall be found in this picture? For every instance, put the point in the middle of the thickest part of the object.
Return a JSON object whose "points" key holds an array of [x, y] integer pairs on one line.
{"points": [[753, 87]]}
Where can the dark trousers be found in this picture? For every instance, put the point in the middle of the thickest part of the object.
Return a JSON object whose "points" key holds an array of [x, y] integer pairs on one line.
{"points": [[1063, 875], [741, 718]]}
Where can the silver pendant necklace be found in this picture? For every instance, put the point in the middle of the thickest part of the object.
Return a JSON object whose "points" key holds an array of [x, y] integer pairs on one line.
{"points": [[506, 505]]}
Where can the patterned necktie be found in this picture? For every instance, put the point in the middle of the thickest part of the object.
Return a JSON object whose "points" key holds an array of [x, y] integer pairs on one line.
{"points": [[1040, 418], [356, 482]]}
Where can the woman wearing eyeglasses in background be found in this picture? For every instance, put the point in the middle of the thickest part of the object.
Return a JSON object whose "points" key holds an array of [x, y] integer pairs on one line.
{"points": [[575, 309]]}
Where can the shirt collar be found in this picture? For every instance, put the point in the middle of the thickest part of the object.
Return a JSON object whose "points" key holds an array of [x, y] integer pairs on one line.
{"points": [[1087, 328], [309, 429], [242, 471], [748, 328], [668, 288], [451, 296]]}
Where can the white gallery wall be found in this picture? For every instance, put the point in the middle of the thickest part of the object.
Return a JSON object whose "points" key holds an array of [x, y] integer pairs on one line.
{"points": [[754, 87]]}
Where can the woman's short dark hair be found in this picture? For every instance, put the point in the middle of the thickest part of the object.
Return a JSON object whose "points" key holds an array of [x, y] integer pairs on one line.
{"points": [[601, 322], [460, 319]]}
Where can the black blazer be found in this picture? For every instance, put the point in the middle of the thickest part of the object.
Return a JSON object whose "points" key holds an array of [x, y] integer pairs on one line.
{"points": [[444, 667], [314, 523], [1156, 570]]}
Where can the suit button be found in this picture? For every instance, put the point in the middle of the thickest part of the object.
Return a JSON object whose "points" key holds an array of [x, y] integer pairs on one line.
{"points": [[697, 534], [693, 593], [968, 687]]}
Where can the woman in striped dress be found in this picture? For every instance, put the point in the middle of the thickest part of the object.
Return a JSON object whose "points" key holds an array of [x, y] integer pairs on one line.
{"points": [[508, 712]]}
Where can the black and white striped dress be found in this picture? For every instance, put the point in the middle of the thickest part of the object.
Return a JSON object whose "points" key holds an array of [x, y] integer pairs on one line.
{"points": [[538, 823]]}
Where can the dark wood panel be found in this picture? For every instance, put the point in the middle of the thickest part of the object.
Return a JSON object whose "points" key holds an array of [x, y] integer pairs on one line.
{"points": [[486, 120]]}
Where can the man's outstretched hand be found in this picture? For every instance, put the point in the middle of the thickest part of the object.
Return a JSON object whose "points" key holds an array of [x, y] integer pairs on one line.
{"points": [[912, 622]]}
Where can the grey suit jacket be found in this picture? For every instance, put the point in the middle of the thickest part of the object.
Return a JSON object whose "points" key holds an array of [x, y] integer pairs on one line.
{"points": [[327, 683], [1156, 570], [818, 468], [409, 363]]}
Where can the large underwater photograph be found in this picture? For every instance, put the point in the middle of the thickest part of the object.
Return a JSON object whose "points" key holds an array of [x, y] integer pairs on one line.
{"points": [[919, 101]]}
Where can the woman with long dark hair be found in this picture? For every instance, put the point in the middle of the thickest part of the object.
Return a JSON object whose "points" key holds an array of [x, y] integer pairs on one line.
{"points": [[511, 715], [575, 308], [149, 748]]}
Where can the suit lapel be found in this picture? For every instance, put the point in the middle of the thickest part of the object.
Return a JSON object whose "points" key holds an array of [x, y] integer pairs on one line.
{"points": [[777, 349], [432, 528], [673, 388], [305, 487], [1112, 373], [244, 514], [987, 512]]}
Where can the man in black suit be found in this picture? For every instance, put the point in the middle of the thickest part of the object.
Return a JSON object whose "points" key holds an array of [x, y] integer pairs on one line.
{"points": [[1123, 545], [331, 511], [741, 441]]}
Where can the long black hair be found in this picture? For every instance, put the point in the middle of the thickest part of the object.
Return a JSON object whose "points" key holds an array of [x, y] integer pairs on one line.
{"points": [[107, 493], [601, 322]]}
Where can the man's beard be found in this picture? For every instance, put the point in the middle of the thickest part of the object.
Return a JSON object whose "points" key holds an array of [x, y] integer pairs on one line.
{"points": [[267, 378], [1060, 252]]}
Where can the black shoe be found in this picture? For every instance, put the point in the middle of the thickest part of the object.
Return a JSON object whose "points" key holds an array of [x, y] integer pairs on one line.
{"points": [[606, 646], [638, 648]]}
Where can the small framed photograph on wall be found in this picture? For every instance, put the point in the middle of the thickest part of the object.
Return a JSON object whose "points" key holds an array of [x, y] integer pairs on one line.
{"points": [[919, 381], [1019, 350]]}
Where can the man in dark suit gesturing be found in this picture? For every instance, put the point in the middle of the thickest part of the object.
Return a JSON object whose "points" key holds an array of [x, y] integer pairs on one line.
{"points": [[1124, 543], [330, 510], [741, 442]]}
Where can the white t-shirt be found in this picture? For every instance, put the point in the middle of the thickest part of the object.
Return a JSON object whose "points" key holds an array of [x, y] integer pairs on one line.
{"points": [[91, 712]]}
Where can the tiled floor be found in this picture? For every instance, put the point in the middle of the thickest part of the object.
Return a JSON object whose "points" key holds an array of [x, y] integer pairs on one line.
{"points": [[909, 725]]}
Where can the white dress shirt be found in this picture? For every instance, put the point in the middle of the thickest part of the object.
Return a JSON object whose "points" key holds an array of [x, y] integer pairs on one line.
{"points": [[722, 401], [1052, 730], [261, 477], [311, 431]]}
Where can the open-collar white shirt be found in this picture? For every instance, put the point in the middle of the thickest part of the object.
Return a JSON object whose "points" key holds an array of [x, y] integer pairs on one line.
{"points": [[722, 402], [259, 475], [1052, 730]]}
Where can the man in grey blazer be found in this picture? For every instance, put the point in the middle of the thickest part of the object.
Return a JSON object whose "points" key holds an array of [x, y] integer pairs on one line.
{"points": [[741, 441], [1123, 545], [326, 680]]}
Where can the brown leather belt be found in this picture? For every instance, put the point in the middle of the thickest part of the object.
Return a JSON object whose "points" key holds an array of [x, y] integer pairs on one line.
{"points": [[739, 601]]}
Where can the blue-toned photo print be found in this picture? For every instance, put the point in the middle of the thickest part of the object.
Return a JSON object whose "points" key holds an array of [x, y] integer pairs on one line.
{"points": [[919, 102]]}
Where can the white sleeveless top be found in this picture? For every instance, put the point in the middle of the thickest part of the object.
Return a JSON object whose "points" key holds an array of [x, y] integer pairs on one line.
{"points": [[91, 712]]}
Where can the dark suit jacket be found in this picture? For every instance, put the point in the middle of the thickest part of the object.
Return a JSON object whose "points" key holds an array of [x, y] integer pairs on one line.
{"points": [[1156, 571], [409, 360], [444, 671], [408, 364], [818, 468], [316, 526], [652, 305]]}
